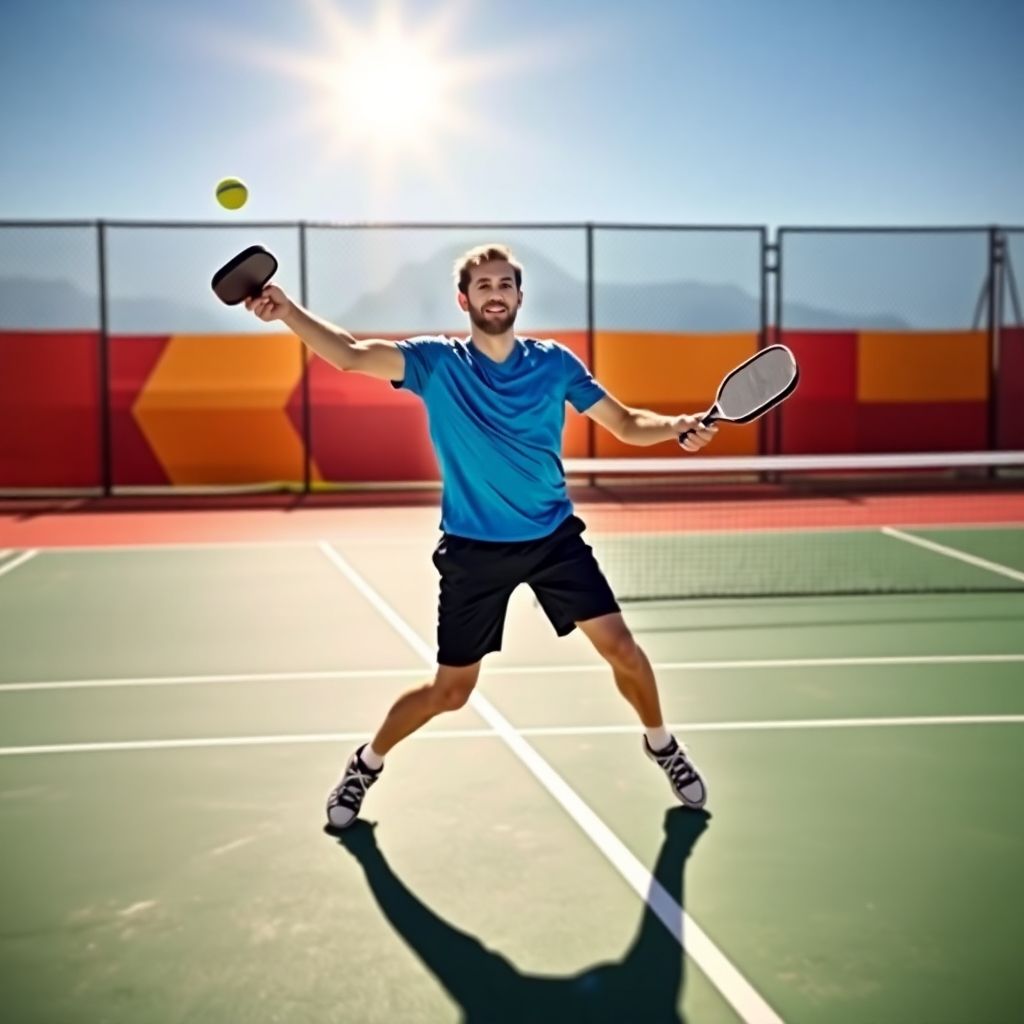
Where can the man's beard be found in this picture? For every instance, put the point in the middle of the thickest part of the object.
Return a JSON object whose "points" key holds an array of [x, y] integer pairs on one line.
{"points": [[492, 324]]}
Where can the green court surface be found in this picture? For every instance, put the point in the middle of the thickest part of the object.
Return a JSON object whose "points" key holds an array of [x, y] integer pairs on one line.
{"points": [[172, 718]]}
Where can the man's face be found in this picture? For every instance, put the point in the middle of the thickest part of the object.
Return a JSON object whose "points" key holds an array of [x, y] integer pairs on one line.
{"points": [[492, 299]]}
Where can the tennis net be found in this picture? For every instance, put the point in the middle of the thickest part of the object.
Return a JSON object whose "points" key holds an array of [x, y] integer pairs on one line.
{"points": [[804, 525]]}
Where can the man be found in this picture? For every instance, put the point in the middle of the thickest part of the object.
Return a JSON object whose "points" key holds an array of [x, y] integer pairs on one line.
{"points": [[496, 405]]}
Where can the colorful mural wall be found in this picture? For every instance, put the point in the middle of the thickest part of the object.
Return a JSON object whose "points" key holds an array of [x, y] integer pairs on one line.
{"points": [[670, 374], [889, 392], [227, 409]]}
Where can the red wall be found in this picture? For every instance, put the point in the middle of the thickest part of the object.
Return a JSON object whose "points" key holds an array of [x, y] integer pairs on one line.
{"points": [[887, 392], [49, 409], [1010, 423]]}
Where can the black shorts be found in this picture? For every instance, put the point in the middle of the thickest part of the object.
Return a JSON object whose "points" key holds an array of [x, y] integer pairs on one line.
{"points": [[478, 577]]}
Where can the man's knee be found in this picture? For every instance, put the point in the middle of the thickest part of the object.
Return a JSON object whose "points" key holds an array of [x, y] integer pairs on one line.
{"points": [[621, 649], [453, 685]]}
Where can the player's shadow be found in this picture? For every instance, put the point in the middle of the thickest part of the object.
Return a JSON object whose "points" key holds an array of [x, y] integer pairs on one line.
{"points": [[644, 985]]}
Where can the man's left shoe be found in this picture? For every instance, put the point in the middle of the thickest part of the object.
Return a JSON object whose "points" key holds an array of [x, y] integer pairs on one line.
{"points": [[346, 798], [683, 776]]}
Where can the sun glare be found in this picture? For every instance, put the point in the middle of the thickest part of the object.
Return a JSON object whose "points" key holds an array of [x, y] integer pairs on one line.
{"points": [[393, 92], [390, 93], [386, 86]]}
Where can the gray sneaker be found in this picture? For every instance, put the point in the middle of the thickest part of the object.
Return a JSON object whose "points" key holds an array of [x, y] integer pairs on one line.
{"points": [[683, 776], [347, 796]]}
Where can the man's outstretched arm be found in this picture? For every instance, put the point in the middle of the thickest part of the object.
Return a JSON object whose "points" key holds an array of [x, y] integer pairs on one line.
{"points": [[643, 427], [374, 357]]}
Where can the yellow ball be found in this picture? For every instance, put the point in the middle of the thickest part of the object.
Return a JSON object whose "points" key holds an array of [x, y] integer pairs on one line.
{"points": [[232, 193]]}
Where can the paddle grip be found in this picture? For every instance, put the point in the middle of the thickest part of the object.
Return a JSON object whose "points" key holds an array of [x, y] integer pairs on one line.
{"points": [[705, 420]]}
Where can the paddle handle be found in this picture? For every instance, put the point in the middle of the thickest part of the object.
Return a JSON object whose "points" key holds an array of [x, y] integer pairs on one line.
{"points": [[707, 420]]}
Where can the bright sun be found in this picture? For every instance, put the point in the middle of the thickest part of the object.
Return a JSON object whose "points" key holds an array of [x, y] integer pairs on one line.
{"points": [[385, 87], [390, 93]]}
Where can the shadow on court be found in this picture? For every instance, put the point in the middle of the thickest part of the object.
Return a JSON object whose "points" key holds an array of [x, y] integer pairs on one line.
{"points": [[644, 985]]}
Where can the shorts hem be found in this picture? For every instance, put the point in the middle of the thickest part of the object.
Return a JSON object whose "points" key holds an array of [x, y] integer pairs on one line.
{"points": [[450, 660], [565, 628]]}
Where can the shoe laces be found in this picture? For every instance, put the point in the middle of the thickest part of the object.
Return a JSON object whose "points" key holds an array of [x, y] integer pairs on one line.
{"points": [[678, 766], [354, 784]]}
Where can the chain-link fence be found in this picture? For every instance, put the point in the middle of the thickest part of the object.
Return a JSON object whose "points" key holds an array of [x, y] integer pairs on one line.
{"points": [[882, 280], [894, 329], [119, 369], [674, 310]]}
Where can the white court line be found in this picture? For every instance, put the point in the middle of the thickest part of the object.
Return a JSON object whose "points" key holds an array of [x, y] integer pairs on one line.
{"points": [[771, 725], [284, 739], [738, 992], [942, 549], [230, 741], [20, 560], [512, 670], [238, 677]]}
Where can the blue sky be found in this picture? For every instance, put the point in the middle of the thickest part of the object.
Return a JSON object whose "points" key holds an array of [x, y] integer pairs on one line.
{"points": [[676, 111]]}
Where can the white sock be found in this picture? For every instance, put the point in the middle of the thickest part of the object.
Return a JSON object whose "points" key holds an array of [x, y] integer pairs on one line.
{"points": [[371, 758], [658, 738]]}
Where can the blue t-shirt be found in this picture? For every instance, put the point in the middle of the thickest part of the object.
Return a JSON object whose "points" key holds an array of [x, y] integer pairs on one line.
{"points": [[497, 431]]}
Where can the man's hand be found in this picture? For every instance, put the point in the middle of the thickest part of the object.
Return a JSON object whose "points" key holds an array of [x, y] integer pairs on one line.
{"points": [[272, 304], [701, 434]]}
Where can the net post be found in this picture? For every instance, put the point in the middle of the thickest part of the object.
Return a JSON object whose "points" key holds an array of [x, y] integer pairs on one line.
{"points": [[106, 460], [307, 416]]}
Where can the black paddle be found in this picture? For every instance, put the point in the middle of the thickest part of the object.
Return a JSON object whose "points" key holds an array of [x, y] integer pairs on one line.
{"points": [[244, 276]]}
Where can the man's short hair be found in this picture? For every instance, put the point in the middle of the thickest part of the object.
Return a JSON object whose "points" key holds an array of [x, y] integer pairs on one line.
{"points": [[480, 255]]}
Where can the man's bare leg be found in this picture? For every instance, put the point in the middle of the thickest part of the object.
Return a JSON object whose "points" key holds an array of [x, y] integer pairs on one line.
{"points": [[449, 691], [635, 679]]}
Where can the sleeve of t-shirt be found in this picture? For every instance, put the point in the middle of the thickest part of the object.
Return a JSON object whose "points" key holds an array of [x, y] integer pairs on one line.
{"points": [[421, 358], [581, 390]]}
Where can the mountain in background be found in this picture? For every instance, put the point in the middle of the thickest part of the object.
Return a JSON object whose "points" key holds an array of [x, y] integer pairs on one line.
{"points": [[418, 298], [32, 304], [554, 298]]}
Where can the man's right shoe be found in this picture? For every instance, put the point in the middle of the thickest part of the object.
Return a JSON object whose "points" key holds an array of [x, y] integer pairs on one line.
{"points": [[347, 797], [682, 773]]}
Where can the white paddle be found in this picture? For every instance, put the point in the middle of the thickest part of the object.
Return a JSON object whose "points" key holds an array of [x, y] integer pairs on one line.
{"points": [[754, 387]]}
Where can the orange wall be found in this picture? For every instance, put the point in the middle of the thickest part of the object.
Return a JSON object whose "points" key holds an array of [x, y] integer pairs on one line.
{"points": [[214, 408], [947, 366], [671, 374]]}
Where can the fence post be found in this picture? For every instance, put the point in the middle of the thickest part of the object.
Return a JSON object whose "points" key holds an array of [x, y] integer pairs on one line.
{"points": [[106, 460], [590, 327], [307, 415], [995, 319], [771, 268], [591, 348]]}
